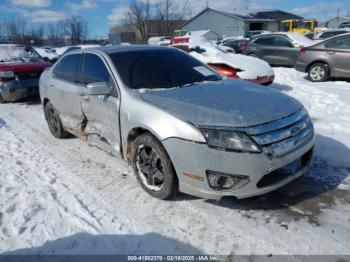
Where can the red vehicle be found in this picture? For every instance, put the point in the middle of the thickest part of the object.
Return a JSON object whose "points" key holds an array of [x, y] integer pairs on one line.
{"points": [[20, 70], [231, 67], [180, 37]]}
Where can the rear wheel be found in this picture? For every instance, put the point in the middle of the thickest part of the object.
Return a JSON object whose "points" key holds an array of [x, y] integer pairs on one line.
{"points": [[54, 122], [319, 72], [153, 167]]}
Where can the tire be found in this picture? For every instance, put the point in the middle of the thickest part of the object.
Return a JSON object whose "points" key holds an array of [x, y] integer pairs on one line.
{"points": [[319, 72], [54, 122], [153, 168], [268, 83]]}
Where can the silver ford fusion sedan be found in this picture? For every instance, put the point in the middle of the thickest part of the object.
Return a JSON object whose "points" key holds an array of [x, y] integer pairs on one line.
{"points": [[181, 125]]}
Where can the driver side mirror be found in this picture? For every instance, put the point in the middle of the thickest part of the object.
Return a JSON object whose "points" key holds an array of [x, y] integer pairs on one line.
{"points": [[98, 88]]}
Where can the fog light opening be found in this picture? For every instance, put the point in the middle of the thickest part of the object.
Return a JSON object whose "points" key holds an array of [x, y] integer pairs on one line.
{"points": [[220, 181]]}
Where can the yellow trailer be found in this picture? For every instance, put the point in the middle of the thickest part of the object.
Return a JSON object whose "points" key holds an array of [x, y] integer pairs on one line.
{"points": [[299, 26]]}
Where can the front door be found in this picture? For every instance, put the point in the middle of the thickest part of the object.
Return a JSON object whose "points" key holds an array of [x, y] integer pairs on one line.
{"points": [[338, 52], [101, 111], [65, 92], [265, 48], [285, 53]]}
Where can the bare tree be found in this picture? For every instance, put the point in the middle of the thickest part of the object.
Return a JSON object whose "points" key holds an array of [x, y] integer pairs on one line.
{"points": [[139, 15], [16, 30], [37, 34], [171, 15], [78, 29], [2, 32]]}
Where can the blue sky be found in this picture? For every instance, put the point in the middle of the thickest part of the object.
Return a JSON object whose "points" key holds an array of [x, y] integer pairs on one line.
{"points": [[102, 14]]}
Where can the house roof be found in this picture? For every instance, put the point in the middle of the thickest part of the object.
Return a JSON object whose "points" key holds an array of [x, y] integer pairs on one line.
{"points": [[275, 15], [262, 15]]}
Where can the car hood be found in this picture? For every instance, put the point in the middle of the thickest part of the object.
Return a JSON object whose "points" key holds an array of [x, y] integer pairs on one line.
{"points": [[226, 103], [23, 67]]}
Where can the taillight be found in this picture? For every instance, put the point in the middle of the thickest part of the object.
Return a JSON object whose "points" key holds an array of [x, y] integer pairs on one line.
{"points": [[6, 76], [244, 46], [301, 52], [225, 70]]}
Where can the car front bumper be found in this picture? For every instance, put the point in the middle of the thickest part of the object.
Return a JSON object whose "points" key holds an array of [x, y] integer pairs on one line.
{"points": [[18, 89], [192, 161]]}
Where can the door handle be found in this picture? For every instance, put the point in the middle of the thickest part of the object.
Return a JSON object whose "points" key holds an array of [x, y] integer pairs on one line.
{"points": [[330, 52]]}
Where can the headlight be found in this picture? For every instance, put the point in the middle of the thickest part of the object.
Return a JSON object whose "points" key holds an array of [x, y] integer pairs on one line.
{"points": [[229, 140]]}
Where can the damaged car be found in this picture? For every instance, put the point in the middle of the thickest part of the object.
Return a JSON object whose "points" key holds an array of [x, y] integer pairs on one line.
{"points": [[227, 63], [20, 70], [180, 124]]}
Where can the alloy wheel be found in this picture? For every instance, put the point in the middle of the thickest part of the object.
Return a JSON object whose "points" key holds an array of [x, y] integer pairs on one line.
{"points": [[150, 169], [317, 73], [53, 121]]}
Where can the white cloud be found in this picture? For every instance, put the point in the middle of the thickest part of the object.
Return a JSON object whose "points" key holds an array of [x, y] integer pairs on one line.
{"points": [[321, 10], [32, 3], [84, 4], [118, 14], [43, 16]]}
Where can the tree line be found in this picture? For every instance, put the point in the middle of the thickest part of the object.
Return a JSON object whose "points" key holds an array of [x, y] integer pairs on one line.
{"points": [[71, 31], [161, 18], [143, 16]]}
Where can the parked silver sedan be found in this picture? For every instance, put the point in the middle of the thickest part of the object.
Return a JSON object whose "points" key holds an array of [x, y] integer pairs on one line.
{"points": [[181, 125]]}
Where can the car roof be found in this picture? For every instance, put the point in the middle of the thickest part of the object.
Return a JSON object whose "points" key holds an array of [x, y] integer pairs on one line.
{"points": [[328, 39], [335, 30], [125, 48]]}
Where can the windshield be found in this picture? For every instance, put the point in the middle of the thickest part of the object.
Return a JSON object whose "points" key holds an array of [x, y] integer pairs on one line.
{"points": [[19, 53], [305, 25], [165, 68]]}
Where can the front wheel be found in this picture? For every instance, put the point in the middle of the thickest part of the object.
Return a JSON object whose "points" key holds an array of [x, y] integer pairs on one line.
{"points": [[318, 72], [53, 121], [153, 167]]}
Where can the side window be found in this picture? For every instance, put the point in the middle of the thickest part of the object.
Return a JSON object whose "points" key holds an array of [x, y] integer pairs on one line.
{"points": [[339, 43], [68, 68], [94, 70], [282, 42], [268, 41]]}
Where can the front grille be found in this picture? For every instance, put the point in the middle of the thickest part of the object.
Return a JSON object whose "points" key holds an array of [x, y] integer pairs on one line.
{"points": [[286, 171], [28, 75], [279, 138]]}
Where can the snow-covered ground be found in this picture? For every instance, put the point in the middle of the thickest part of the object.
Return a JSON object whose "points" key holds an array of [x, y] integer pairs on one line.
{"points": [[66, 197]]}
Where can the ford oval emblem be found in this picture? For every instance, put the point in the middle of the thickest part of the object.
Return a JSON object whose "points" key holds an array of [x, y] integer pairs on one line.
{"points": [[295, 130]]}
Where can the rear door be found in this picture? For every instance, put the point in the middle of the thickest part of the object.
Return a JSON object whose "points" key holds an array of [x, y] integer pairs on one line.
{"points": [[265, 48], [285, 53], [338, 51], [65, 91], [101, 111]]}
